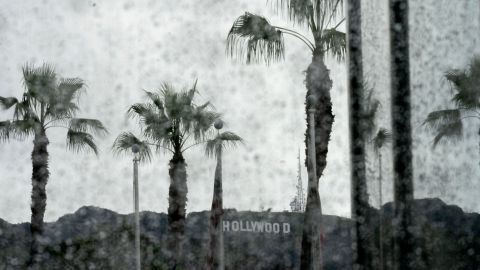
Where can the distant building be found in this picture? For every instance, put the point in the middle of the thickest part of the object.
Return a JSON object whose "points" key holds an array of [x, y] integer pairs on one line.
{"points": [[298, 203]]}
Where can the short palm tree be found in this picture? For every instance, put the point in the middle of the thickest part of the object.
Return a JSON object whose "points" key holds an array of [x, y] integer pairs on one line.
{"points": [[254, 39], [47, 102], [170, 120], [448, 123], [214, 147], [382, 138]]}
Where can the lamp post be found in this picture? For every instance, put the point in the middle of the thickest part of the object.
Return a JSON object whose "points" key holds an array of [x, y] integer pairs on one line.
{"points": [[312, 237], [136, 159]]}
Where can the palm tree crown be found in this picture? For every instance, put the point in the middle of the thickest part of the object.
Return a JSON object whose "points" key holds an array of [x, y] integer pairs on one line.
{"points": [[223, 140], [382, 138], [49, 102], [264, 42], [448, 123], [169, 120]]}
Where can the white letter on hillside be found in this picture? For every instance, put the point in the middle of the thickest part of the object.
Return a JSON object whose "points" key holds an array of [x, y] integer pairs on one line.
{"points": [[235, 226], [258, 226], [268, 227], [276, 228], [226, 226]]}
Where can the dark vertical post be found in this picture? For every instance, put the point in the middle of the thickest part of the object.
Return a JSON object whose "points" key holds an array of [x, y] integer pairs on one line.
{"points": [[402, 135], [361, 248]]}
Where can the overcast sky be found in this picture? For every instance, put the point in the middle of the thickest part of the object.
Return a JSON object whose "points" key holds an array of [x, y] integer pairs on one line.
{"points": [[122, 47]]}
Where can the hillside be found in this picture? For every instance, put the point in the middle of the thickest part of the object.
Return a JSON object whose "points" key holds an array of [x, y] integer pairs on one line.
{"points": [[96, 238]]}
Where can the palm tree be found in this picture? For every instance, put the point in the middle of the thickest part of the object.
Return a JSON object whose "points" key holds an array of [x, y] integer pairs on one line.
{"points": [[404, 240], [169, 121], [214, 147], [264, 42], [382, 138], [448, 123], [47, 102]]}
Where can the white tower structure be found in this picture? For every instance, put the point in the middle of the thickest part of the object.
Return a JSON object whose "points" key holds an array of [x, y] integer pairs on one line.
{"points": [[298, 203]]}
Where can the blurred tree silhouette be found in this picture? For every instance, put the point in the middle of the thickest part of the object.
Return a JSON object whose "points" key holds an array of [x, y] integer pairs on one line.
{"points": [[448, 123]]}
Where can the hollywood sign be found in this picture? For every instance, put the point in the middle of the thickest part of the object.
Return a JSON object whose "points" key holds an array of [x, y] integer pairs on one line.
{"points": [[255, 226]]}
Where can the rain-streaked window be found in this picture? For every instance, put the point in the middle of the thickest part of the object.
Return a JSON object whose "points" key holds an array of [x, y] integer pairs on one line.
{"points": [[282, 134]]}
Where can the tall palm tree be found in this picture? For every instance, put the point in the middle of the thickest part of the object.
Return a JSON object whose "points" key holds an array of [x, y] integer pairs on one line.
{"points": [[214, 147], [254, 39], [170, 121], [448, 123], [47, 102], [382, 138]]}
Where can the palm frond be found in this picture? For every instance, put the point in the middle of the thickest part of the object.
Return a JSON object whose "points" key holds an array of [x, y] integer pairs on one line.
{"points": [[299, 11], [87, 125], [446, 124], [254, 38], [22, 108], [17, 129], [64, 103], [78, 141], [382, 137], [174, 101], [224, 140], [124, 142], [5, 130], [334, 43], [438, 119], [156, 99], [7, 102], [202, 121], [212, 147], [190, 94], [475, 67], [330, 8], [40, 82], [156, 125], [69, 89], [59, 110], [466, 83], [140, 110], [450, 131], [160, 132]]}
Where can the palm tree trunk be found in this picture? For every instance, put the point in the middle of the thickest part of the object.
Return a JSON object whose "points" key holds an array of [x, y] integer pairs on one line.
{"points": [[40, 176], [402, 134], [319, 84], [360, 206], [215, 259], [380, 210], [177, 202]]}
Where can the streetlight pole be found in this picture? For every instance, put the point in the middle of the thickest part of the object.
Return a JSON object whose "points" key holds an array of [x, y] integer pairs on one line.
{"points": [[136, 159], [313, 212]]}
